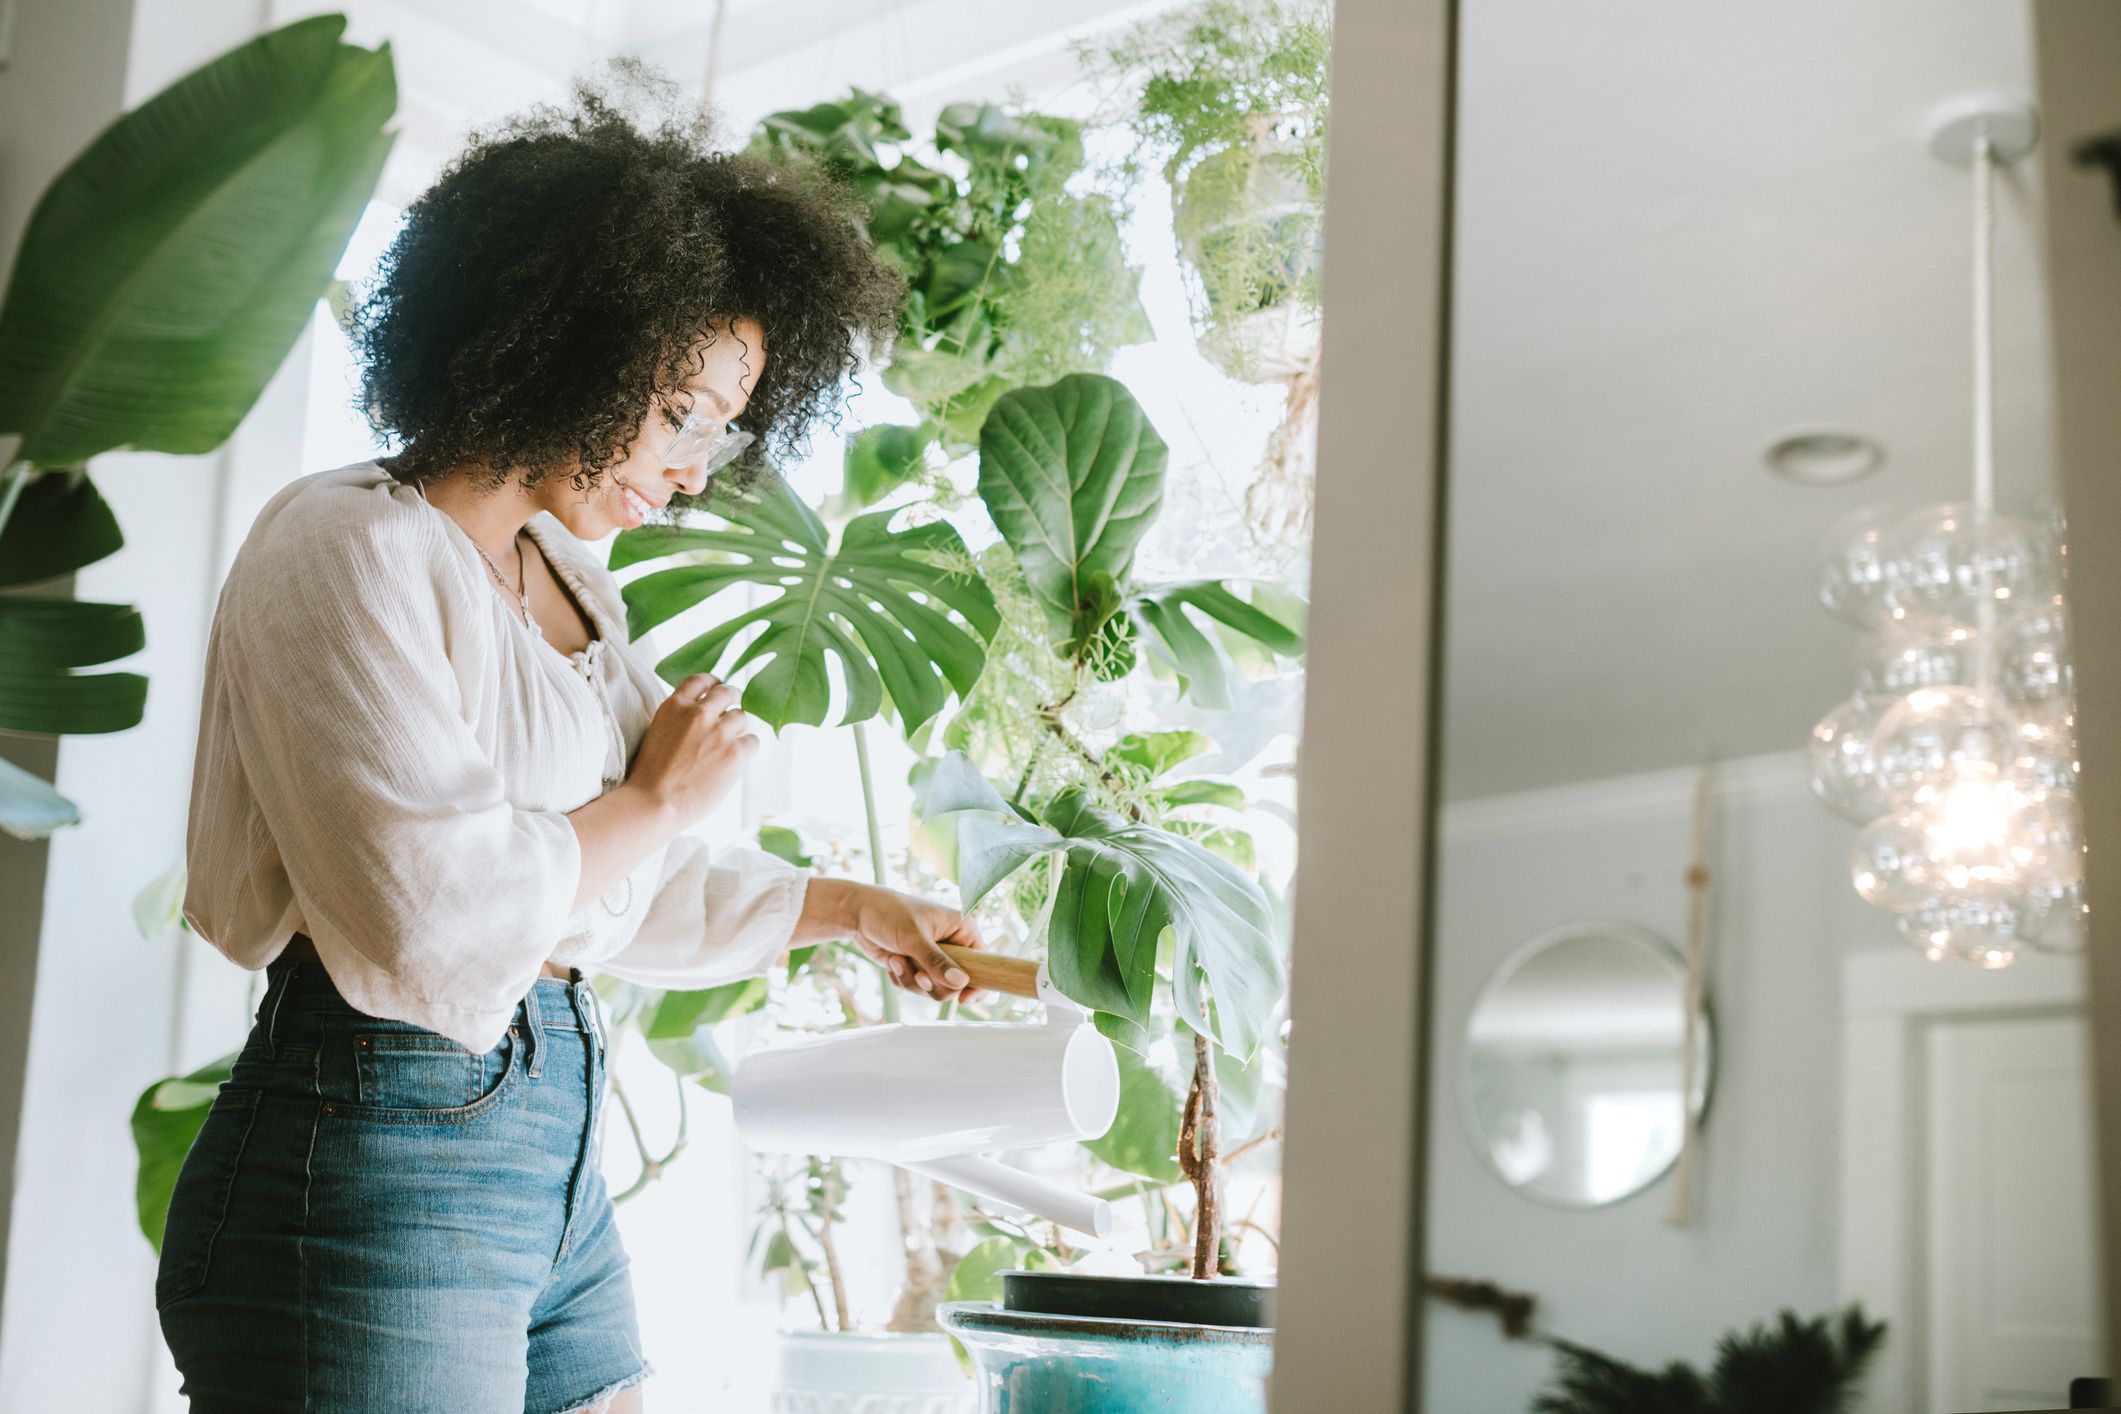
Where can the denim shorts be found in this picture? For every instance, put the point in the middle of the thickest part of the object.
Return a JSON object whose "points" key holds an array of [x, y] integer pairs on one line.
{"points": [[375, 1217]]}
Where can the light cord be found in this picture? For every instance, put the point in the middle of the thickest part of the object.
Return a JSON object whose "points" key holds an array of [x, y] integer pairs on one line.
{"points": [[1984, 327], [1984, 164]]}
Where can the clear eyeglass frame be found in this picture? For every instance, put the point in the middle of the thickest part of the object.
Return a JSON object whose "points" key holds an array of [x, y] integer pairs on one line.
{"points": [[706, 440]]}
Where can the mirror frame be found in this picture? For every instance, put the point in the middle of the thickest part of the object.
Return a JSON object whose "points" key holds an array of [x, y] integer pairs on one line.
{"points": [[1531, 947]]}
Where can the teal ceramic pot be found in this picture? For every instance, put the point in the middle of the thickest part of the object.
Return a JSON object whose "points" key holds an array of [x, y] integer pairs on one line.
{"points": [[1031, 1363]]}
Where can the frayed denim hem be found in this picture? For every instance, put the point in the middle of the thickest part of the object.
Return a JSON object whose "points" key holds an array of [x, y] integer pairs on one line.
{"points": [[616, 1387]]}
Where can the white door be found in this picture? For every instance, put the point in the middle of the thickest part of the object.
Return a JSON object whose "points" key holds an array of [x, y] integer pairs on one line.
{"points": [[2013, 1309]]}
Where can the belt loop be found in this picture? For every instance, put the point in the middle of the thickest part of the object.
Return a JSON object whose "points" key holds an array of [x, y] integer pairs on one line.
{"points": [[589, 1005], [533, 1030]]}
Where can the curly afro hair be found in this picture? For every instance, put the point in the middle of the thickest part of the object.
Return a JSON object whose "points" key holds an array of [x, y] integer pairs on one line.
{"points": [[560, 274]]}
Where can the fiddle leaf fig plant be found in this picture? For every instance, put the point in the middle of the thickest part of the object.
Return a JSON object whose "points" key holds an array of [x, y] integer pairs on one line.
{"points": [[1073, 474]]}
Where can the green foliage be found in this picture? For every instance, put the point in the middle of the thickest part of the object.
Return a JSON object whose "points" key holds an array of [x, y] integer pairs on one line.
{"points": [[1073, 475], [1166, 615], [1231, 101], [60, 524], [167, 271], [878, 461], [43, 640], [1124, 886], [160, 282], [1143, 1138], [165, 1120], [1792, 1367], [1014, 274], [900, 609]]}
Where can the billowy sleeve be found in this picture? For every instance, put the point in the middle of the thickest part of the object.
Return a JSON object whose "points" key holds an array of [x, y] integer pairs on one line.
{"points": [[431, 896], [718, 915]]}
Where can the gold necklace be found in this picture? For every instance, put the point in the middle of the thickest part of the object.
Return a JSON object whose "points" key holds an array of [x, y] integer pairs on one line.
{"points": [[522, 572]]}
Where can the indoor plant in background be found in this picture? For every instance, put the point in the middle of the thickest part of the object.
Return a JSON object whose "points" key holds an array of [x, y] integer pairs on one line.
{"points": [[1135, 880], [161, 280], [1016, 270], [1229, 99], [1793, 1367]]}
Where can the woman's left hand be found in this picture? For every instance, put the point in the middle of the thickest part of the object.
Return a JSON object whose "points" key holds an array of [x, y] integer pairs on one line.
{"points": [[898, 932]]}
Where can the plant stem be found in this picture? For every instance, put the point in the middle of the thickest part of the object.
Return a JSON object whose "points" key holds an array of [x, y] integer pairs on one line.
{"points": [[1198, 1157], [825, 1244], [651, 1167], [1023, 782], [876, 850], [1050, 714], [802, 1269]]}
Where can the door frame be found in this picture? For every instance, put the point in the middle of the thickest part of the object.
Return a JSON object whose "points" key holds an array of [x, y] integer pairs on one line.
{"points": [[1349, 1307], [1890, 998], [2076, 54]]}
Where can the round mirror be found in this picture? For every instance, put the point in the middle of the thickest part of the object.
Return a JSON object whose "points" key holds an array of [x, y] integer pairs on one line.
{"points": [[1574, 1064]]}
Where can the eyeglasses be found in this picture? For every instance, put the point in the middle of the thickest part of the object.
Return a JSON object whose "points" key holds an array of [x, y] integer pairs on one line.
{"points": [[705, 440]]}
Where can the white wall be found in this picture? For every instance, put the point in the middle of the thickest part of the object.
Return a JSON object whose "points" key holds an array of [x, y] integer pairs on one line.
{"points": [[1766, 1196], [96, 1007]]}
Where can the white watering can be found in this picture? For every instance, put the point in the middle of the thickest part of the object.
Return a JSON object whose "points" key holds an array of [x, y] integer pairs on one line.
{"points": [[934, 1097]]}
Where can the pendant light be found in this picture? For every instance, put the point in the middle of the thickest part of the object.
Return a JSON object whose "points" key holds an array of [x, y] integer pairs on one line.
{"points": [[1956, 752]]}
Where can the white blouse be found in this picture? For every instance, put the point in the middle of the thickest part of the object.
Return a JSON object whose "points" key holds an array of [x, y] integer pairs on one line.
{"points": [[387, 754]]}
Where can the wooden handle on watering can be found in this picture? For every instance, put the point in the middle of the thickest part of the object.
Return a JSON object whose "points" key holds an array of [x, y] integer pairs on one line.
{"points": [[1018, 976]]}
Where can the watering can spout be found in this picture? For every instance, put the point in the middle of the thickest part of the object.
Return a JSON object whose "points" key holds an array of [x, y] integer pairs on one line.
{"points": [[1025, 1192], [933, 1097]]}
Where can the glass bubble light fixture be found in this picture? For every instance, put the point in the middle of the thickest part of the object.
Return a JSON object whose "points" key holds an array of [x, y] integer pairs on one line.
{"points": [[1956, 753]]}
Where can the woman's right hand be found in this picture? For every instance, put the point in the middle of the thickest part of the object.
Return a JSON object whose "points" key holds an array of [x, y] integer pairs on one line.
{"points": [[694, 749]]}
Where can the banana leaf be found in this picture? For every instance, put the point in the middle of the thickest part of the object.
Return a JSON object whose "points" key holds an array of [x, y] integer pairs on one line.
{"points": [[165, 274]]}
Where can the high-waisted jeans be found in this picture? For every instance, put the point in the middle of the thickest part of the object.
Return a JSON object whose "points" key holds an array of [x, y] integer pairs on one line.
{"points": [[374, 1217]]}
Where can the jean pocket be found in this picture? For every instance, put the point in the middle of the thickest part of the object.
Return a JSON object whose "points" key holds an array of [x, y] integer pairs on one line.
{"points": [[198, 1202], [414, 1076]]}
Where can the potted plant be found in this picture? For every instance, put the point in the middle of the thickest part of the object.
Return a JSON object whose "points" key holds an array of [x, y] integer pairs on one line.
{"points": [[1013, 275], [1792, 1367], [1134, 879], [1230, 99]]}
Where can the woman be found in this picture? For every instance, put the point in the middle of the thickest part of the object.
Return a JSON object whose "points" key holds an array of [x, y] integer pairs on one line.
{"points": [[434, 783]]}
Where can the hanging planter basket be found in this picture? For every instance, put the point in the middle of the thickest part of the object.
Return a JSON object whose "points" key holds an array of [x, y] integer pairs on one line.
{"points": [[1248, 225]]}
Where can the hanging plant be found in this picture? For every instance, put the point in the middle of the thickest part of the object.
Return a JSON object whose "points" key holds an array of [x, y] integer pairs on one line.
{"points": [[1016, 273], [1229, 100]]}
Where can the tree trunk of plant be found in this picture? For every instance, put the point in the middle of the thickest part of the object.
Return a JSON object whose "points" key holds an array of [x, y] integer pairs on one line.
{"points": [[927, 1279], [1199, 1155], [825, 1245]]}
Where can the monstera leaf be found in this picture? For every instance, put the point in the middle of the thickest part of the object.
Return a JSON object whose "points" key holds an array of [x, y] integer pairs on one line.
{"points": [[1125, 885], [167, 271], [903, 610], [1073, 474], [1201, 663]]}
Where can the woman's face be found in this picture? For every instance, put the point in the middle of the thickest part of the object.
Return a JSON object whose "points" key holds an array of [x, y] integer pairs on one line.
{"points": [[721, 388]]}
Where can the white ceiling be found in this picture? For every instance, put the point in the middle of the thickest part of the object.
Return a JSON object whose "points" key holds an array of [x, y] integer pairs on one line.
{"points": [[1683, 230]]}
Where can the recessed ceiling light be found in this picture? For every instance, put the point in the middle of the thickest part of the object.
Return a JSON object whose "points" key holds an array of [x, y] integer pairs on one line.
{"points": [[1821, 458]]}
